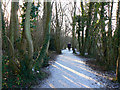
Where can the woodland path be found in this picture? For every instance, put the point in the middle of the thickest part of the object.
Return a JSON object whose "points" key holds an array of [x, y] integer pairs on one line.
{"points": [[70, 71]]}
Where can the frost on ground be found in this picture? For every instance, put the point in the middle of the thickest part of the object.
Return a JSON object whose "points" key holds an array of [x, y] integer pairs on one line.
{"points": [[71, 71]]}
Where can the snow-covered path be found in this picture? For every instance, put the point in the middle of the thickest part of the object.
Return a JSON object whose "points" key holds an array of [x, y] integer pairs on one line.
{"points": [[70, 71]]}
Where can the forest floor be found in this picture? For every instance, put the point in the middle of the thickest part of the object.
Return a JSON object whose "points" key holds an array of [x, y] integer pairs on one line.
{"points": [[70, 71]]}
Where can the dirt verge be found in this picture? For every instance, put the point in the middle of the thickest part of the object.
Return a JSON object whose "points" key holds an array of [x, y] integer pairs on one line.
{"points": [[109, 75]]}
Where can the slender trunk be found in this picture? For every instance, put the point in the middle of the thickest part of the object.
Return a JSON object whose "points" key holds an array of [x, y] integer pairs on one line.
{"points": [[118, 67], [104, 43], [5, 47], [58, 31], [78, 32], [79, 41], [109, 57], [83, 51], [93, 35], [16, 25], [87, 38], [44, 19], [0, 46], [12, 23], [73, 31]]}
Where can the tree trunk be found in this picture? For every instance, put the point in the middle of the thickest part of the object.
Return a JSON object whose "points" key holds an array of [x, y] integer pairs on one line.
{"points": [[104, 43], [14, 22], [13, 28], [83, 50], [87, 38], [47, 36], [118, 68], [0, 46], [118, 60], [78, 32], [118, 31], [93, 35], [58, 31], [109, 55], [44, 19], [28, 36], [73, 29], [27, 30]]}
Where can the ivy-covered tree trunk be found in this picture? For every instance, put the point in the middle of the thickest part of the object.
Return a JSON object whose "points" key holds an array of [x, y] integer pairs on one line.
{"points": [[91, 31], [104, 43], [45, 46], [83, 50], [78, 31], [87, 37], [93, 35], [73, 28]]}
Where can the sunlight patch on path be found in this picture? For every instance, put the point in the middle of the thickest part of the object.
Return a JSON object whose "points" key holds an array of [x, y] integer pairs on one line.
{"points": [[84, 85], [50, 84], [63, 71], [81, 66], [80, 74], [71, 81], [86, 69]]}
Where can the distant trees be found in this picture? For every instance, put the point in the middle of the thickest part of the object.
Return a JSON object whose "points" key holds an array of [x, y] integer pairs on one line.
{"points": [[99, 40], [57, 27]]}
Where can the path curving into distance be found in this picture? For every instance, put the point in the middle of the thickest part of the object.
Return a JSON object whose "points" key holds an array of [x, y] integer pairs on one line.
{"points": [[70, 71]]}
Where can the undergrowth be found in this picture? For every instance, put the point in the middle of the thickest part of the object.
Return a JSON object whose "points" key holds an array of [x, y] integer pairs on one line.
{"points": [[22, 80]]}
